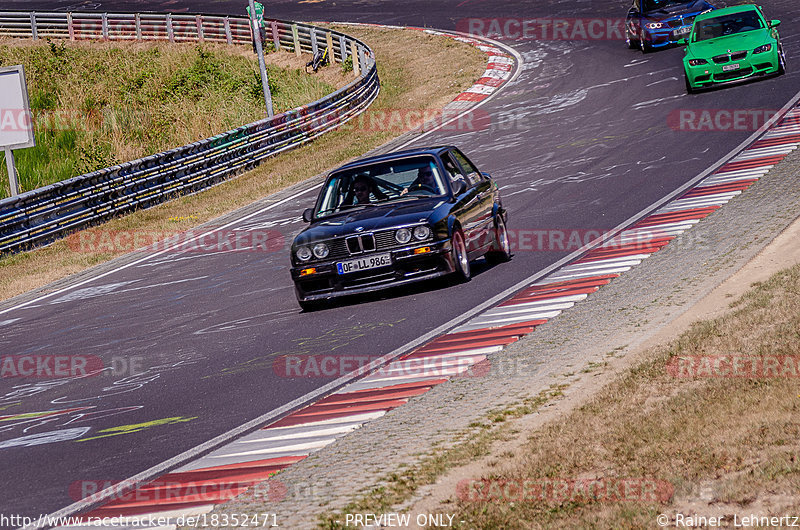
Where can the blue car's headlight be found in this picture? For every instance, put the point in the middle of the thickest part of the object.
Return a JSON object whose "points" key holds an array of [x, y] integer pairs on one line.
{"points": [[697, 62], [762, 49], [654, 25], [303, 253]]}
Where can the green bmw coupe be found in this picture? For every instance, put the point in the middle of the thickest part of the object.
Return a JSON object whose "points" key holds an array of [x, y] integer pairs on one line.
{"points": [[730, 45]]}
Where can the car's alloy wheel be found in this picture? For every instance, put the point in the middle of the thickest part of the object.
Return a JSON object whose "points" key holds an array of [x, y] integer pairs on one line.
{"points": [[501, 247], [781, 61], [460, 257]]}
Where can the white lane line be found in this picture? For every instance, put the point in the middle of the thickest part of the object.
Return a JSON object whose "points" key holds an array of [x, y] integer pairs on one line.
{"points": [[539, 303], [598, 266], [500, 320], [161, 253], [508, 310], [459, 351], [587, 274], [764, 152]]}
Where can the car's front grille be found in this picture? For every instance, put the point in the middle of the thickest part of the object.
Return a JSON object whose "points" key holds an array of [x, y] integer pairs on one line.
{"points": [[360, 243], [355, 244], [679, 22], [385, 240], [728, 57]]}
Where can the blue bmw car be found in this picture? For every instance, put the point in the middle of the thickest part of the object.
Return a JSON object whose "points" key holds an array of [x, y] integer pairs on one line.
{"points": [[653, 24]]}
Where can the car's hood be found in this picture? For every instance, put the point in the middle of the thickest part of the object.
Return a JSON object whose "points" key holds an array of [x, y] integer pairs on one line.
{"points": [[673, 10], [371, 218], [748, 40]]}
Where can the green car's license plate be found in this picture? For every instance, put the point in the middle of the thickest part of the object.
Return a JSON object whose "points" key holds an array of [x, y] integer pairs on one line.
{"points": [[370, 262], [730, 67]]}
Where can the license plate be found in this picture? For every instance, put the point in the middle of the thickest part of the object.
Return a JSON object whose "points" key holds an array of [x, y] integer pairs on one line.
{"points": [[683, 31], [729, 67], [365, 263]]}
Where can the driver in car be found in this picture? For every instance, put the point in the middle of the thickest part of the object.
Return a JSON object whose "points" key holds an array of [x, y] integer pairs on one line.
{"points": [[425, 181]]}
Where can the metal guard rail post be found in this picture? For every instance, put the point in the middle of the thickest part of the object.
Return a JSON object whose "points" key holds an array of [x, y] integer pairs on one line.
{"points": [[43, 215]]}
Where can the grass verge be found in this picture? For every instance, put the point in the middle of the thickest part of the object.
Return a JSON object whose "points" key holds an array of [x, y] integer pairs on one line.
{"points": [[417, 71], [100, 103], [398, 487], [711, 419]]}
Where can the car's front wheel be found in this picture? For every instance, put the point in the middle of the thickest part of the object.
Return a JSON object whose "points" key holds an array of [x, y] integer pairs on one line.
{"points": [[458, 252], [689, 88], [781, 61], [644, 45], [633, 42], [501, 247]]}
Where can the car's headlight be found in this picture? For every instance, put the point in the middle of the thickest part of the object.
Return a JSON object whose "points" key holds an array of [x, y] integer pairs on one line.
{"points": [[403, 236], [654, 25], [697, 62], [303, 253], [762, 49], [321, 250], [422, 233]]}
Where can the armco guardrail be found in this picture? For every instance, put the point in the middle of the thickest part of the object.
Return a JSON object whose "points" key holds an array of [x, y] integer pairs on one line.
{"points": [[45, 214]]}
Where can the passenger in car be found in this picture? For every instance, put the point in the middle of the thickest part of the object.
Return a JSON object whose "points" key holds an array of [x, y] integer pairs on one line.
{"points": [[364, 188]]}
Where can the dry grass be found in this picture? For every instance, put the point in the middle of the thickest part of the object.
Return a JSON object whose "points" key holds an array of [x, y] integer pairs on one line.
{"points": [[417, 71], [97, 104], [727, 445]]}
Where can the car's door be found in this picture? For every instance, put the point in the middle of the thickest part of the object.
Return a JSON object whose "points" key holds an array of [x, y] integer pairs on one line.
{"points": [[486, 196], [468, 208]]}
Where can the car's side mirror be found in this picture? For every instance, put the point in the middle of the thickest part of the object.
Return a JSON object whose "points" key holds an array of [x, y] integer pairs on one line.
{"points": [[683, 42], [459, 187], [774, 23], [308, 214], [486, 175]]}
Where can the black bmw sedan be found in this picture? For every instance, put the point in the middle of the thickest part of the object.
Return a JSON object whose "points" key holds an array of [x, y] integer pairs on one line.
{"points": [[398, 218]]}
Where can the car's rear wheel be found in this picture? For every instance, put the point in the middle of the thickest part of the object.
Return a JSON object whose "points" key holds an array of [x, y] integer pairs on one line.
{"points": [[501, 247], [460, 257]]}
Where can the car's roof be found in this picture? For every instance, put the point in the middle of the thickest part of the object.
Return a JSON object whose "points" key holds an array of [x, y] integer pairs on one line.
{"points": [[727, 11], [434, 151]]}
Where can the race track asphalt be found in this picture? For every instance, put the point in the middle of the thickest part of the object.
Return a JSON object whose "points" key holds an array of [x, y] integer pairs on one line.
{"points": [[582, 140]]}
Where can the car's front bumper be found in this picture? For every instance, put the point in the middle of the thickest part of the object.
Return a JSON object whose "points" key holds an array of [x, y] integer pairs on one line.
{"points": [[662, 38], [406, 267], [709, 75]]}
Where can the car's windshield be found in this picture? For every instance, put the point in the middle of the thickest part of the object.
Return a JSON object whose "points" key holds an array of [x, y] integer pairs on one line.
{"points": [[724, 25], [655, 5], [406, 179]]}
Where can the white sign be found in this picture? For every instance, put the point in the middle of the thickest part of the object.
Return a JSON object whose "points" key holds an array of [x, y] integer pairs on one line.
{"points": [[16, 124]]}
